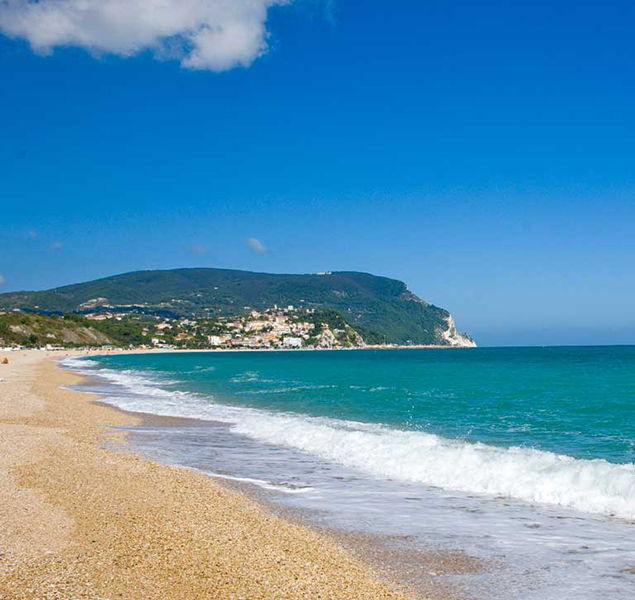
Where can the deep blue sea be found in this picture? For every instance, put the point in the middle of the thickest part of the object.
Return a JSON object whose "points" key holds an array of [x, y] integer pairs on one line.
{"points": [[523, 456]]}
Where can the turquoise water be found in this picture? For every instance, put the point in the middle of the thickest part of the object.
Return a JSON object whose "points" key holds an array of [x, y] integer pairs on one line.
{"points": [[577, 401], [521, 456]]}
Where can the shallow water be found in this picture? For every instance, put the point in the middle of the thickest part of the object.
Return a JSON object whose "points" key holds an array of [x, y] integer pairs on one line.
{"points": [[521, 456]]}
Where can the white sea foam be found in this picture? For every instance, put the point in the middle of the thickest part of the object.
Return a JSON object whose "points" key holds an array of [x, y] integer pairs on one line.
{"points": [[78, 363], [535, 476], [203, 370], [285, 390], [284, 487], [594, 486]]}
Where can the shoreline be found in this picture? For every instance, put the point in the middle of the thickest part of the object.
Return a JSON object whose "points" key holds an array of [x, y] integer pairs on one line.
{"points": [[394, 558], [432, 548], [109, 351], [420, 571], [85, 521]]}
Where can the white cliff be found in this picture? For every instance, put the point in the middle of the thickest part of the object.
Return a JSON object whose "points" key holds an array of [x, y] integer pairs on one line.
{"points": [[452, 337]]}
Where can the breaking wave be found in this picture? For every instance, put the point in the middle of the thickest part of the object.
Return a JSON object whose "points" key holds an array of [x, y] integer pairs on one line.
{"points": [[530, 475]]}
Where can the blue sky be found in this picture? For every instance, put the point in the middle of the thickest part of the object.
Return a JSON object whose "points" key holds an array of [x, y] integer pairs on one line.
{"points": [[481, 152]]}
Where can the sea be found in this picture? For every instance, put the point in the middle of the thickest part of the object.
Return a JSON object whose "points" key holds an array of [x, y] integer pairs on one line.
{"points": [[523, 458]]}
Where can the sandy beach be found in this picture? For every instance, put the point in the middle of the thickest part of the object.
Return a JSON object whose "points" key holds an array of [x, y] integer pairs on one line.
{"points": [[79, 520]]}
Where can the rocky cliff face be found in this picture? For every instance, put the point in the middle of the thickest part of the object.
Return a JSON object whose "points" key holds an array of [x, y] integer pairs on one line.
{"points": [[449, 336]]}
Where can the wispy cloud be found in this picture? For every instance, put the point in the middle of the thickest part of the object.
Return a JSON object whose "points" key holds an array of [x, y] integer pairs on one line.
{"points": [[199, 249], [2, 279], [202, 34], [56, 246], [256, 245]]}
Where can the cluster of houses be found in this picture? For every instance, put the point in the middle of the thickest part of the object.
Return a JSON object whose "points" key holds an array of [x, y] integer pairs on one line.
{"points": [[274, 328], [287, 328]]}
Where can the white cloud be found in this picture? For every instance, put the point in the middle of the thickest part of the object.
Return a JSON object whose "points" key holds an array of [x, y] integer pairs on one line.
{"points": [[203, 34], [56, 246], [256, 245], [2, 279]]}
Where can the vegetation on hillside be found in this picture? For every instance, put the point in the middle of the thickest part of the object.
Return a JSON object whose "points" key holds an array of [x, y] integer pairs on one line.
{"points": [[33, 331], [382, 308]]}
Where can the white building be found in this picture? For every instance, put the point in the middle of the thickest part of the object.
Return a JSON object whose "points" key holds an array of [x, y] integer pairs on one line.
{"points": [[214, 340], [292, 342]]}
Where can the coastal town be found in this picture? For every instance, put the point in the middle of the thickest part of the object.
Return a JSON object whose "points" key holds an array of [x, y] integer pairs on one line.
{"points": [[286, 327]]}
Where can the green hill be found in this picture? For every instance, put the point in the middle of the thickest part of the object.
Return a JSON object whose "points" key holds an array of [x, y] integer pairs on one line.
{"points": [[381, 309], [32, 330]]}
